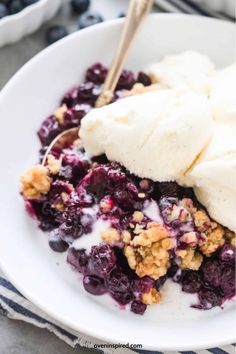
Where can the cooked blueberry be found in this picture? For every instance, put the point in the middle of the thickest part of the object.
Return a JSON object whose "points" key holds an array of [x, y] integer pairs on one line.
{"points": [[55, 33], [15, 6], [94, 285], [227, 282], [89, 18], [96, 73], [49, 130], [80, 6], [227, 253], [122, 298], [70, 230], [3, 10], [142, 285], [211, 273], [191, 282], [160, 282], [103, 259], [122, 14], [209, 299], [138, 307], [117, 281], [88, 92], [144, 79], [78, 259], [126, 80], [169, 189], [56, 243]]}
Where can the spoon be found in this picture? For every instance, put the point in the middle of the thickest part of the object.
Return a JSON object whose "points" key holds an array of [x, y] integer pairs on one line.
{"points": [[138, 10]]}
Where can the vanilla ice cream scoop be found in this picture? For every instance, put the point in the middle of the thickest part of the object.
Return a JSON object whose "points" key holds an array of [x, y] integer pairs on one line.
{"points": [[155, 135], [214, 175], [187, 71], [223, 94]]}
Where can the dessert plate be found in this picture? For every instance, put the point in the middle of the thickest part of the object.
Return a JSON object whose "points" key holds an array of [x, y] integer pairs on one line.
{"points": [[40, 274]]}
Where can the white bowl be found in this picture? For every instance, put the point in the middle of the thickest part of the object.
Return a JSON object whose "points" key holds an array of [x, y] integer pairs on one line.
{"points": [[42, 275], [224, 6], [15, 27]]}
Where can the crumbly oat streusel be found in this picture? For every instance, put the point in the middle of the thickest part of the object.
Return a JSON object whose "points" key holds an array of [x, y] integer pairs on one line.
{"points": [[148, 252], [35, 182], [110, 236], [152, 297], [53, 164], [59, 113], [189, 259]]}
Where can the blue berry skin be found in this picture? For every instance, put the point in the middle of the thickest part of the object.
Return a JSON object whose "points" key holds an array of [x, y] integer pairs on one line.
{"points": [[89, 18], [15, 7], [55, 33], [29, 2], [80, 6], [3, 11]]}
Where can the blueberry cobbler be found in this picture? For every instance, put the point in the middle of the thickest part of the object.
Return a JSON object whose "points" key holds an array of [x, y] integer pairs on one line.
{"points": [[127, 235]]}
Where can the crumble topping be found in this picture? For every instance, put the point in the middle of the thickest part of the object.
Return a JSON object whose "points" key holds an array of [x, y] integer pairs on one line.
{"points": [[35, 182], [189, 259], [190, 238], [126, 237], [138, 216], [59, 113], [110, 236], [213, 240], [152, 297], [148, 252], [202, 221], [53, 165]]}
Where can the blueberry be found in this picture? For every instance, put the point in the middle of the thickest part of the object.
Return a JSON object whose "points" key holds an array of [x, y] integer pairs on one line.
{"points": [[94, 285], [55, 33], [227, 253], [191, 282], [144, 79], [211, 273], [15, 7], [122, 298], [138, 307], [89, 18], [80, 6], [96, 73], [56, 243], [122, 14], [209, 299], [29, 2], [142, 285], [78, 259], [103, 259], [49, 130], [3, 10], [117, 281]]}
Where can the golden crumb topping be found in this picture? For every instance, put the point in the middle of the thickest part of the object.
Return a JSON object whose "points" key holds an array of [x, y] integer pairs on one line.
{"points": [[53, 165], [148, 252], [152, 297], [213, 240], [59, 113], [35, 182], [110, 236], [189, 259]]}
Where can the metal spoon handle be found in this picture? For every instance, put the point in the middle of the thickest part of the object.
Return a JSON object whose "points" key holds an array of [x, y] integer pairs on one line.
{"points": [[138, 10]]}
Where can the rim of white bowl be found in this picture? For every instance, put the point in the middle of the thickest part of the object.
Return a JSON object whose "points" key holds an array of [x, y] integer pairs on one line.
{"points": [[99, 334], [23, 13]]}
